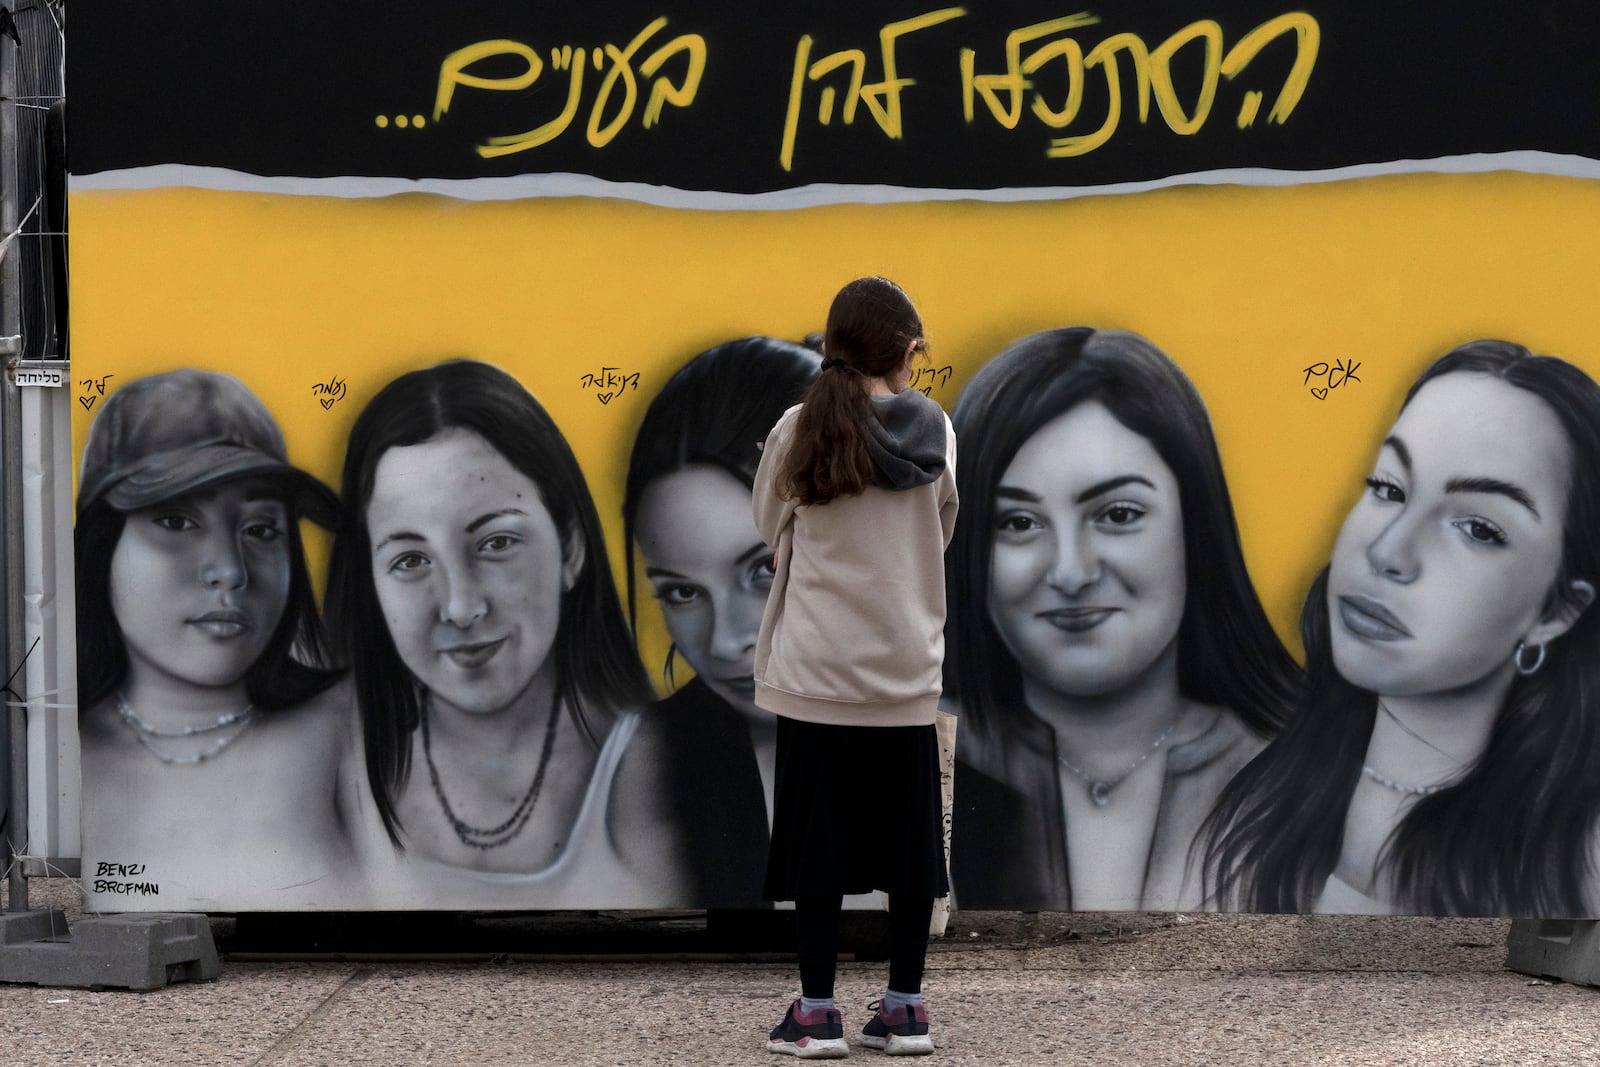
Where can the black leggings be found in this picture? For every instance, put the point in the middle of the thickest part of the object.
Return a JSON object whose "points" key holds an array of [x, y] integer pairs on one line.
{"points": [[816, 922]]}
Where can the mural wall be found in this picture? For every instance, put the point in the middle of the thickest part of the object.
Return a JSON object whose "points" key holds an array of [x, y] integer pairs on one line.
{"points": [[422, 359]]}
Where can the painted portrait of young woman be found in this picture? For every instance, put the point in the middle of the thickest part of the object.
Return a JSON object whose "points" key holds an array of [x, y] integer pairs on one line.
{"points": [[1446, 760], [687, 508], [496, 682], [212, 720], [1106, 652]]}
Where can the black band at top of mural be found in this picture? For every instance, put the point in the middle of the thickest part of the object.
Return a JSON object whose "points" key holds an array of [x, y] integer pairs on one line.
{"points": [[746, 98]]}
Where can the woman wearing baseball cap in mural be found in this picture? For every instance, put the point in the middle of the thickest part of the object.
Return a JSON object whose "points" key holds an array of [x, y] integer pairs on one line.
{"points": [[495, 677], [212, 726]]}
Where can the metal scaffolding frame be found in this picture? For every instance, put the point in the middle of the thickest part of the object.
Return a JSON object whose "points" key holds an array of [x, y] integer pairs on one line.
{"points": [[32, 327]]}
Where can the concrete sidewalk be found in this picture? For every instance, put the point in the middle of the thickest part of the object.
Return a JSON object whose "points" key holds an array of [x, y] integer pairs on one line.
{"points": [[1002, 989]]}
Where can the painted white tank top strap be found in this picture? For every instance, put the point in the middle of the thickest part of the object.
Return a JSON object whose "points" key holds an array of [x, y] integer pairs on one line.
{"points": [[577, 878]]}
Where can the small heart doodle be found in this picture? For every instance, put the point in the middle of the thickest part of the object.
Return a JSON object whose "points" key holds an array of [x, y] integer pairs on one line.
{"points": [[1320, 394], [88, 402], [605, 398], [326, 403]]}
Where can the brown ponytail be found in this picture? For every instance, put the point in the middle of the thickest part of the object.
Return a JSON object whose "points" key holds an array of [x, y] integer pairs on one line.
{"points": [[870, 325]]}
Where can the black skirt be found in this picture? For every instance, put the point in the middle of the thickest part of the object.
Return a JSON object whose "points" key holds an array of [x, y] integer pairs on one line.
{"points": [[856, 808]]}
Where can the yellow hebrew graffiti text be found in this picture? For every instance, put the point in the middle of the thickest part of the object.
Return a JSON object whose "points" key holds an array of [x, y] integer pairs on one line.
{"points": [[616, 99]]}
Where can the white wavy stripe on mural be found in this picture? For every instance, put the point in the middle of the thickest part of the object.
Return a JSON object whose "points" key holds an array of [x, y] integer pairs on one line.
{"points": [[530, 186]]}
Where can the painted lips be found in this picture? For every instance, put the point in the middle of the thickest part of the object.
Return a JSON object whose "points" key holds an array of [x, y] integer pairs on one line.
{"points": [[222, 623], [473, 656], [1076, 620], [1367, 618]]}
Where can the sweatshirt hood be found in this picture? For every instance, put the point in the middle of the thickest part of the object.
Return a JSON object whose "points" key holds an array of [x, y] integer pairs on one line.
{"points": [[908, 440]]}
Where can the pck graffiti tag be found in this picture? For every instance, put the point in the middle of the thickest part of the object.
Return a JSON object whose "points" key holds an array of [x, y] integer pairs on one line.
{"points": [[1332, 376]]}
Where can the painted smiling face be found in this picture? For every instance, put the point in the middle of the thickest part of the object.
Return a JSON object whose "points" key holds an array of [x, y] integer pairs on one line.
{"points": [[1087, 577], [199, 583], [711, 573], [469, 569], [1448, 560]]}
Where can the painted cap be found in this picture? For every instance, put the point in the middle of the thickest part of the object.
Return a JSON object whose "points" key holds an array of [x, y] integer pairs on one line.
{"points": [[169, 434]]}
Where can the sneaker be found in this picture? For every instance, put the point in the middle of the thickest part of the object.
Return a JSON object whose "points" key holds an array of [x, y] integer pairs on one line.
{"points": [[818, 1036], [901, 1032]]}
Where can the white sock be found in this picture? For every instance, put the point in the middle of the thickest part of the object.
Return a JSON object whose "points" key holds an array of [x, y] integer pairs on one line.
{"points": [[893, 1000], [807, 1005]]}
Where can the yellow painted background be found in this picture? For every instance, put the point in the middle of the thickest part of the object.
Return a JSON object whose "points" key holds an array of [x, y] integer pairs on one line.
{"points": [[1243, 287]]}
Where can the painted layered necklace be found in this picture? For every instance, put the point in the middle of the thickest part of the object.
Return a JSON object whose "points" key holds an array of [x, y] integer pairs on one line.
{"points": [[149, 734], [493, 836]]}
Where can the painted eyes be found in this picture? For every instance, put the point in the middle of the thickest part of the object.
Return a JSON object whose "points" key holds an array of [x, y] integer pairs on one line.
{"points": [[1120, 513], [175, 523], [1474, 528], [1017, 523], [1481, 531], [407, 564], [679, 595], [1385, 490], [263, 530], [498, 544], [682, 594], [1115, 517]]}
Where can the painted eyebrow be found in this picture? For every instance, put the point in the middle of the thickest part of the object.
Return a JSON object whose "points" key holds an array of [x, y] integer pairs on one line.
{"points": [[760, 548], [1011, 492], [1469, 485], [399, 535], [1400, 450], [1492, 485], [753, 552], [1101, 488], [482, 520]]}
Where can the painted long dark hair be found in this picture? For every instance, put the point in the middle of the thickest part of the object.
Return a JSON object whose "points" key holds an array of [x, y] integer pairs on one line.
{"points": [[870, 324], [598, 671], [1228, 653], [1511, 836], [716, 410]]}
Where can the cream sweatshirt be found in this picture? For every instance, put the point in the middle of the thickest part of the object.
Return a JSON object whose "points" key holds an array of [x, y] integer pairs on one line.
{"points": [[853, 632]]}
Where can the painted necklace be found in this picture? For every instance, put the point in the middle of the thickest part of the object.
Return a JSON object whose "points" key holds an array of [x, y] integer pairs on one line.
{"points": [[1400, 787], [149, 733], [1100, 788], [1391, 784], [494, 836]]}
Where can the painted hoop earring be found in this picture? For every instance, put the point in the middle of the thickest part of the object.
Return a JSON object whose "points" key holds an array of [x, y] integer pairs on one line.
{"points": [[1526, 669]]}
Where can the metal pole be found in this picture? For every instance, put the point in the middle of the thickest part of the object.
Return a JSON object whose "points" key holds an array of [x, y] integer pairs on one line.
{"points": [[11, 448], [11, 456]]}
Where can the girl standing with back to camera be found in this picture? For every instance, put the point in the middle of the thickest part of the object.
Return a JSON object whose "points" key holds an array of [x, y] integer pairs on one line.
{"points": [[856, 493]]}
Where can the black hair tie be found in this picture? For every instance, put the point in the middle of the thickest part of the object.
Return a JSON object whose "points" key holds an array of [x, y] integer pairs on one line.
{"points": [[830, 362]]}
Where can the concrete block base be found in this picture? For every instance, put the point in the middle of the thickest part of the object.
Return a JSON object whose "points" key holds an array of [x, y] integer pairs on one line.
{"points": [[22, 927], [1568, 949], [140, 952]]}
